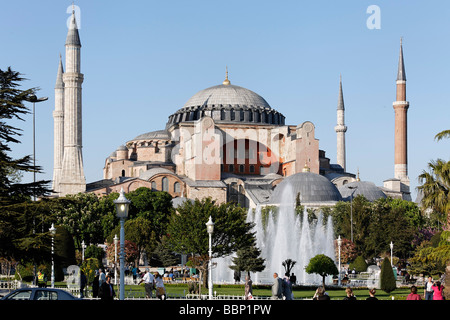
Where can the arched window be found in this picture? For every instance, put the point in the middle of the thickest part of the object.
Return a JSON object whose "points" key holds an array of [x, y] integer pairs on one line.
{"points": [[165, 184], [123, 173], [154, 185], [176, 187]]}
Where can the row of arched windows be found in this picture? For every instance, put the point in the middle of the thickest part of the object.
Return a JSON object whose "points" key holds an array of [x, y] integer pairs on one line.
{"points": [[165, 186]]}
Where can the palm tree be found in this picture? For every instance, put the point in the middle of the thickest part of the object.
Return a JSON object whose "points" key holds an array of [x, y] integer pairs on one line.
{"points": [[443, 134], [288, 264], [435, 187]]}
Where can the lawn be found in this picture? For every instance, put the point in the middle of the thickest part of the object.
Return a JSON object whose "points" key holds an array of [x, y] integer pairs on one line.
{"points": [[175, 290]]}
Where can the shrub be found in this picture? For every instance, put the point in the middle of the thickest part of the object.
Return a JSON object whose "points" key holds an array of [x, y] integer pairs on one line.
{"points": [[359, 264], [387, 278]]}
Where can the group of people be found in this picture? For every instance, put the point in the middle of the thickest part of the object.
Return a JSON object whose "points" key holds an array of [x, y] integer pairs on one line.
{"points": [[101, 286], [282, 288], [432, 291], [153, 282]]}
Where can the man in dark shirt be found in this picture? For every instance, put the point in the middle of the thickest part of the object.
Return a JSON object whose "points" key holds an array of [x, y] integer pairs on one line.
{"points": [[107, 290]]}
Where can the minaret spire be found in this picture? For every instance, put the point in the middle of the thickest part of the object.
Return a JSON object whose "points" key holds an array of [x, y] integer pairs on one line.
{"points": [[401, 124], [341, 128], [401, 74], [58, 128], [72, 173]]}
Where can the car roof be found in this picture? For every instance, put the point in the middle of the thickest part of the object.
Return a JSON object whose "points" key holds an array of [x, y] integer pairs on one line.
{"points": [[59, 291]]}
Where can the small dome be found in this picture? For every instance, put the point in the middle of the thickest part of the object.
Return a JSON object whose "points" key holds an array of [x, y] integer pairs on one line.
{"points": [[122, 148], [313, 188], [368, 189]]}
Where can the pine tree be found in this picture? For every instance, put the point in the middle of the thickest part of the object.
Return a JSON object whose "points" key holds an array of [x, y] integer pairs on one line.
{"points": [[387, 278], [12, 108], [248, 259]]}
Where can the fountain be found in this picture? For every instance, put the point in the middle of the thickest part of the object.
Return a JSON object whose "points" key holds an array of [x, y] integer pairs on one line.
{"points": [[281, 235]]}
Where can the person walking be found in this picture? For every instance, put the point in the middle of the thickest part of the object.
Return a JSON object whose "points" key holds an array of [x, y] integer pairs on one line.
{"points": [[413, 295], [149, 283], [160, 289], [83, 283], [438, 289], [95, 285], [428, 289], [101, 277], [106, 291], [248, 288], [276, 287], [287, 288]]}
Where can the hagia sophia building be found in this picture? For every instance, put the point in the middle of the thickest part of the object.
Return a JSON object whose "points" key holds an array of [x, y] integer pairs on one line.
{"points": [[226, 142]]}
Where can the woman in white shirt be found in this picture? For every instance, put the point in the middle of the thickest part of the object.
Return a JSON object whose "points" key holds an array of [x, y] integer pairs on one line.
{"points": [[160, 289]]}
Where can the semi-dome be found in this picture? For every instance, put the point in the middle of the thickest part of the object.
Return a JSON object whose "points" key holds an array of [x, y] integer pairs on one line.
{"points": [[368, 189], [314, 189], [227, 103]]}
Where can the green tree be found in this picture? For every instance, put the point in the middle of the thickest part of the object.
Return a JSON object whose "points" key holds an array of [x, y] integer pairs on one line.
{"points": [[435, 187], [155, 206], [187, 228], [322, 265], [12, 107], [387, 278], [390, 217], [442, 135], [81, 215], [249, 260], [139, 231], [359, 264]]}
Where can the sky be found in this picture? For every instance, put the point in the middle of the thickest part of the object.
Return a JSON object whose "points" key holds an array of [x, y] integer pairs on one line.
{"points": [[142, 60]]}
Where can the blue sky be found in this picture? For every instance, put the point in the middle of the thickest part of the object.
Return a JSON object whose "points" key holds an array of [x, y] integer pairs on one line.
{"points": [[142, 61]]}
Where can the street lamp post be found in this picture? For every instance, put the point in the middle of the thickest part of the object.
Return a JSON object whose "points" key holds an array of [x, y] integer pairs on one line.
{"points": [[210, 229], [53, 232], [116, 241], [339, 241], [33, 99], [122, 205], [83, 246], [351, 211], [392, 248]]}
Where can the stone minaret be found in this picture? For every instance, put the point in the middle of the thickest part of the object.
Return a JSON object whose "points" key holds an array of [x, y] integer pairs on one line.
{"points": [[401, 108], [72, 175], [340, 128], [58, 120]]}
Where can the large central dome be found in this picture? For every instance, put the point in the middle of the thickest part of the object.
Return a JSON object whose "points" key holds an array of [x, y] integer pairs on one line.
{"points": [[227, 95], [227, 103]]}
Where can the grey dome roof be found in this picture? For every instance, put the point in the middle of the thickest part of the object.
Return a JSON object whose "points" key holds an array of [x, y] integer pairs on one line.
{"points": [[159, 134], [227, 95], [313, 189], [227, 103], [368, 189], [147, 175]]}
